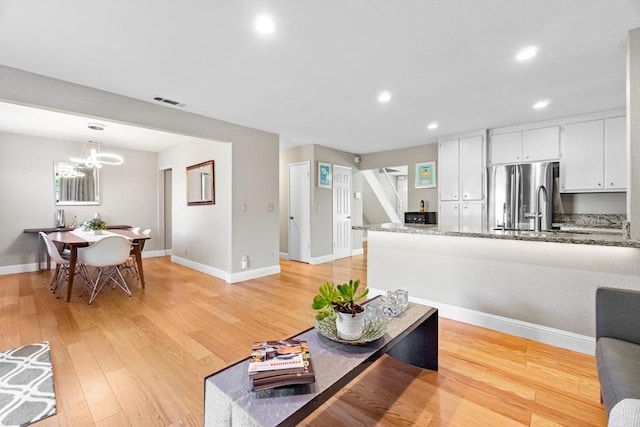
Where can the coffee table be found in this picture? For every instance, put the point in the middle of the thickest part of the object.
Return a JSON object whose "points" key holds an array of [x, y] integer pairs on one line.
{"points": [[412, 337]]}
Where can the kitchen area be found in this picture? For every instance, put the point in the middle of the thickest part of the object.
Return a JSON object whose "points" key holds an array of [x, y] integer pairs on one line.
{"points": [[531, 220]]}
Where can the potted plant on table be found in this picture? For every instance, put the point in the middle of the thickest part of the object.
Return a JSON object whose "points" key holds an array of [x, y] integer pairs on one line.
{"points": [[341, 303], [96, 225]]}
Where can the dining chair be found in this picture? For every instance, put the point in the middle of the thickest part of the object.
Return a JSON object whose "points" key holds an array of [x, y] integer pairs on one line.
{"points": [[106, 255], [135, 229], [131, 266], [62, 263]]}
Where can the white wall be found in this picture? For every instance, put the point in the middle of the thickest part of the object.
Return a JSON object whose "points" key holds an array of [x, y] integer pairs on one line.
{"points": [[254, 155], [201, 233], [128, 193]]}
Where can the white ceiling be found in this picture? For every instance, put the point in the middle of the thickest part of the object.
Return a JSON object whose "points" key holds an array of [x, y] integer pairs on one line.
{"points": [[317, 78]]}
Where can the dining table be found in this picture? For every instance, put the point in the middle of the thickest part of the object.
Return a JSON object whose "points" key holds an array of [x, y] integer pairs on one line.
{"points": [[78, 238]]}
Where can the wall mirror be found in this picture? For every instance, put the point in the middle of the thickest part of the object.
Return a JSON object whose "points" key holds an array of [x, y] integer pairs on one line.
{"points": [[75, 184], [201, 184]]}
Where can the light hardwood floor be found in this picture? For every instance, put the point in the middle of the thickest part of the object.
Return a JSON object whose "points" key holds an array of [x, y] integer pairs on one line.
{"points": [[142, 360]]}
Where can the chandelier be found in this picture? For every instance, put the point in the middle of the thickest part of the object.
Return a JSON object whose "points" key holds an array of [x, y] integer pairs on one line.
{"points": [[96, 157]]}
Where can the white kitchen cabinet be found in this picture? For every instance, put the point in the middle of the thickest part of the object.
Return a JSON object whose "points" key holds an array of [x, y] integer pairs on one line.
{"points": [[472, 168], [529, 145], [506, 148], [594, 156], [541, 144], [448, 170], [461, 170], [449, 215], [615, 167], [472, 215]]}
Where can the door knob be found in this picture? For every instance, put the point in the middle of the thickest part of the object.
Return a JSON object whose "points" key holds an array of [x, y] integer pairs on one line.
{"points": [[291, 217]]}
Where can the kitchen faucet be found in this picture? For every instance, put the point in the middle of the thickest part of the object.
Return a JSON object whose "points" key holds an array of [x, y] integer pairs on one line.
{"points": [[537, 214]]}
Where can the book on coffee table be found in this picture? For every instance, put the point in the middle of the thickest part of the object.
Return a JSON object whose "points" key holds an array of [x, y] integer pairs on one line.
{"points": [[280, 363]]}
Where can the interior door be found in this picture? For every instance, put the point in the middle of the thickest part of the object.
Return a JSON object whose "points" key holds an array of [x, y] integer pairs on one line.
{"points": [[299, 212], [341, 212]]}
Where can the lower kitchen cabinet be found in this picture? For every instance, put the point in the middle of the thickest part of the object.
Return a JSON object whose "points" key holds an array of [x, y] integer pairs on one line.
{"points": [[462, 214]]}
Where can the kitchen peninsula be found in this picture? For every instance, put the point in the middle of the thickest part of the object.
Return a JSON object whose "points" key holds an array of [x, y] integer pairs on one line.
{"points": [[539, 285]]}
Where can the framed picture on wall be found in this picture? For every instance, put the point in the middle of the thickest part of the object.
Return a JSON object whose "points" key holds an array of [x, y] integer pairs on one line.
{"points": [[324, 175], [426, 175]]}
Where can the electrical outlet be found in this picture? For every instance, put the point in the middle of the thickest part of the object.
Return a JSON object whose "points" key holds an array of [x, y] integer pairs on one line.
{"points": [[245, 262], [186, 252]]}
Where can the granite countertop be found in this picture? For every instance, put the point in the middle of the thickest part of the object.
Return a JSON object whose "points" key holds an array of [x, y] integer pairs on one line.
{"points": [[556, 236]]}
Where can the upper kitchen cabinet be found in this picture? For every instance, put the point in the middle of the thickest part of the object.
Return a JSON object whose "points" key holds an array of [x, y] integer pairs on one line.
{"points": [[530, 145], [461, 164], [594, 156]]}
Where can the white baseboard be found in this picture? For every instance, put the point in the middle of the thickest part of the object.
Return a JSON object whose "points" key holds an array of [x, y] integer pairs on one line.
{"points": [[355, 252], [202, 268], [254, 274], [221, 274], [153, 254], [321, 259], [284, 255], [532, 331], [19, 268]]}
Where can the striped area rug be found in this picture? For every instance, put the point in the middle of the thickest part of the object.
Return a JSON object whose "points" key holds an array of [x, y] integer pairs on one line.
{"points": [[26, 385]]}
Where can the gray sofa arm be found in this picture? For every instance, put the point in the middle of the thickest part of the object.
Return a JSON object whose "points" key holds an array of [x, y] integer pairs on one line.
{"points": [[618, 314]]}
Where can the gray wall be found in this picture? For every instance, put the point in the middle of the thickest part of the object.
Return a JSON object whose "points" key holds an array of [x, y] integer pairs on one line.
{"points": [[254, 152], [408, 156], [201, 233], [127, 193], [321, 198]]}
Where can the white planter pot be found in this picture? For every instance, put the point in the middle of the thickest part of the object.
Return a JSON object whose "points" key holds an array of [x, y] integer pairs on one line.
{"points": [[349, 327]]}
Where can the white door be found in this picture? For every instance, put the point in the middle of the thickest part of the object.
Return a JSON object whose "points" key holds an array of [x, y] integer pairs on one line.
{"points": [[341, 212], [299, 212]]}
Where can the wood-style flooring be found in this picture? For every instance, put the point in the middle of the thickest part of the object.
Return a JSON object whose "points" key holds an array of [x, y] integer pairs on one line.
{"points": [[141, 361]]}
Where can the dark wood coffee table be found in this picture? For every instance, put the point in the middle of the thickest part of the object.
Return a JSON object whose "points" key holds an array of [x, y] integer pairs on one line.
{"points": [[411, 337]]}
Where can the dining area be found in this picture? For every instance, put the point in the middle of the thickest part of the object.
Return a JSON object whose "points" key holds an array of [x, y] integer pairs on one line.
{"points": [[92, 258]]}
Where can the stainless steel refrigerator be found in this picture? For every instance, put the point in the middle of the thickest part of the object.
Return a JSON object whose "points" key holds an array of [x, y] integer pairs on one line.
{"points": [[516, 191]]}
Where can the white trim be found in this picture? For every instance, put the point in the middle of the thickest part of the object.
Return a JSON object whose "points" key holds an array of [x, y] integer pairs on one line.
{"points": [[20, 268], [355, 252], [532, 331], [220, 274], [321, 259], [284, 255], [153, 254], [206, 269], [254, 274]]}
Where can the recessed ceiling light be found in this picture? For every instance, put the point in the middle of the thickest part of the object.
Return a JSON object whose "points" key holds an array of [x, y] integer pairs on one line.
{"points": [[543, 103], [384, 96], [264, 24], [432, 126], [527, 53]]}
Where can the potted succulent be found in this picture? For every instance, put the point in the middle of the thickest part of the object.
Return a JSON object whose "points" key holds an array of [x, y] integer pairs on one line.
{"points": [[341, 303], [96, 225]]}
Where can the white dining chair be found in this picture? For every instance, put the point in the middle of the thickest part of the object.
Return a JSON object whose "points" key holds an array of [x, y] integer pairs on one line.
{"points": [[135, 229], [106, 255], [61, 274], [131, 266]]}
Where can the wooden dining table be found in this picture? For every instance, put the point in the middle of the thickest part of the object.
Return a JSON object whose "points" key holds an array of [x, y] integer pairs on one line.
{"points": [[75, 241]]}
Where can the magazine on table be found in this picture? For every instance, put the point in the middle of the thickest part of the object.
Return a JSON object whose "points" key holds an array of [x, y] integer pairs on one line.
{"points": [[280, 363]]}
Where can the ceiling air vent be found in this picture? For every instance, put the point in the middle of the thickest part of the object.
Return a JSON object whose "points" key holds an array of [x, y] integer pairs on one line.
{"points": [[169, 101]]}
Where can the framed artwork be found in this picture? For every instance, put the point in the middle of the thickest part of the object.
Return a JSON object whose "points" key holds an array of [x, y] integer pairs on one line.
{"points": [[426, 175], [324, 175]]}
